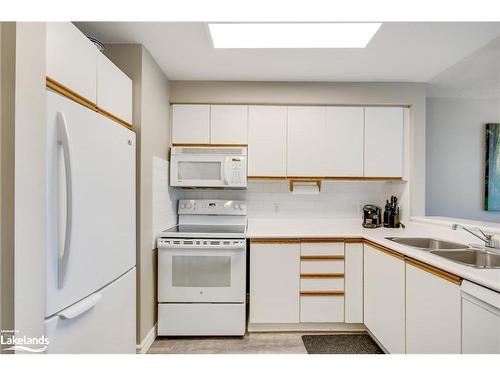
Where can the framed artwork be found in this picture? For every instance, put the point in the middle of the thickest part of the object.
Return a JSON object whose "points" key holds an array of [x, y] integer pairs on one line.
{"points": [[492, 173]]}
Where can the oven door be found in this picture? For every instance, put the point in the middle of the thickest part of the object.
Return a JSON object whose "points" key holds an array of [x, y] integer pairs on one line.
{"points": [[198, 171], [213, 271]]}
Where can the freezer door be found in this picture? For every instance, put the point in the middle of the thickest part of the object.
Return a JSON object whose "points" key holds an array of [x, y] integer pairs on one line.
{"points": [[91, 202], [104, 322]]}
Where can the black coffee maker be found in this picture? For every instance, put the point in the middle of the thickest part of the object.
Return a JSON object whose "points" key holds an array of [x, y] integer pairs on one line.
{"points": [[372, 216]]}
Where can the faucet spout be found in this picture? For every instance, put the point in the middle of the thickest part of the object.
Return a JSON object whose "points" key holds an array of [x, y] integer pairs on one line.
{"points": [[487, 238]]}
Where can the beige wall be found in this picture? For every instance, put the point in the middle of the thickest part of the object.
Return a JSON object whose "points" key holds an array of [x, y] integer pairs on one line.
{"points": [[325, 93], [8, 35], [151, 119], [23, 177]]}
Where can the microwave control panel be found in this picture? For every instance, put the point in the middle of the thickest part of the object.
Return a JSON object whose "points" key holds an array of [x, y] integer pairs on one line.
{"points": [[237, 172]]}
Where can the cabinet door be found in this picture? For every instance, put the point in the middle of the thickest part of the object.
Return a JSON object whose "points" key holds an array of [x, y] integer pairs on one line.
{"points": [[344, 139], [306, 141], [274, 282], [432, 313], [353, 282], [384, 298], [384, 141], [114, 89], [72, 59], [228, 124], [191, 123], [267, 141]]}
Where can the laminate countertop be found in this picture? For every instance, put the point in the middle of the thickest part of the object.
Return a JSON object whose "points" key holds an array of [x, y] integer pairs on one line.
{"points": [[277, 228]]}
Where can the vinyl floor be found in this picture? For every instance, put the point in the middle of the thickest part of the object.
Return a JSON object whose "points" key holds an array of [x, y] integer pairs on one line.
{"points": [[251, 343]]}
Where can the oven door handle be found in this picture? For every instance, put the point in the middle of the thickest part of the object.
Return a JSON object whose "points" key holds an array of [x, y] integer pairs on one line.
{"points": [[201, 247]]}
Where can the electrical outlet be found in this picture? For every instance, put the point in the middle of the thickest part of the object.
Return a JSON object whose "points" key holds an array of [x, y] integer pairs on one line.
{"points": [[276, 207]]}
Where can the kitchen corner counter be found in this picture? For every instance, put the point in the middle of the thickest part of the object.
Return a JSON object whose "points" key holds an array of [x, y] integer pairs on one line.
{"points": [[260, 228]]}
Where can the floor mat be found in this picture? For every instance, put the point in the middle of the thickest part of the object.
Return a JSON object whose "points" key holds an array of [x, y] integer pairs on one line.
{"points": [[341, 344]]}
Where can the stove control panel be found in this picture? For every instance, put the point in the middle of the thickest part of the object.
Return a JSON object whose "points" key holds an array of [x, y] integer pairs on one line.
{"points": [[211, 207]]}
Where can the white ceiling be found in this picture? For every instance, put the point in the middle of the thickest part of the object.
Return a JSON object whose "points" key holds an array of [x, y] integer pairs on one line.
{"points": [[399, 52]]}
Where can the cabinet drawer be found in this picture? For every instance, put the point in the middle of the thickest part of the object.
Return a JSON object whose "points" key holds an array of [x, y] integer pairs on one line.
{"points": [[322, 308], [322, 266], [322, 284], [322, 248]]}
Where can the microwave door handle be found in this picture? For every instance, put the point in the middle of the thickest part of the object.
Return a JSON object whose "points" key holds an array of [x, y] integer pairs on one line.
{"points": [[226, 171]]}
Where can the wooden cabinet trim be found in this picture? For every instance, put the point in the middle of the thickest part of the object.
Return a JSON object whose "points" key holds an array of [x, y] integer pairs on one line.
{"points": [[321, 275], [385, 249], [114, 118], [435, 271], [322, 257], [274, 240], [322, 240], [321, 294], [353, 240], [315, 178], [349, 178], [68, 93], [267, 177], [59, 88], [209, 145], [419, 264]]}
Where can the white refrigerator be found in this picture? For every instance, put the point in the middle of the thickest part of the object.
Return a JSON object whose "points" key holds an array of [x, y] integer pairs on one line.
{"points": [[91, 283]]}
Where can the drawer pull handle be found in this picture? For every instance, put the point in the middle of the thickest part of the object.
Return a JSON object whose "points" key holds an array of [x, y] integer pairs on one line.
{"points": [[321, 294], [322, 257], [321, 275]]}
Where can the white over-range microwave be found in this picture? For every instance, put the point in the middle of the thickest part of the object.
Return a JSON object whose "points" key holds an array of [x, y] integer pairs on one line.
{"points": [[218, 167]]}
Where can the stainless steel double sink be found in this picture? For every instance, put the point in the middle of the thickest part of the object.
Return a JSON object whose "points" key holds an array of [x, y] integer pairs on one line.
{"points": [[456, 252]]}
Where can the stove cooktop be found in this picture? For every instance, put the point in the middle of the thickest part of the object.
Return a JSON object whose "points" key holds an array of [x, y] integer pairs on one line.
{"points": [[205, 231]]}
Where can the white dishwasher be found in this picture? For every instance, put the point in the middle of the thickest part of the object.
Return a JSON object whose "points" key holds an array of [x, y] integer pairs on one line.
{"points": [[480, 319]]}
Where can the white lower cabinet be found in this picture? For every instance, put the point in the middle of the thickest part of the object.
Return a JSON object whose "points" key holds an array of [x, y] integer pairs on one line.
{"points": [[433, 316], [321, 309], [353, 282], [384, 298], [274, 282]]}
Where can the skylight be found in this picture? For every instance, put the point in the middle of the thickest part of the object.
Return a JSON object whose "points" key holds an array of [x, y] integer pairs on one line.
{"points": [[292, 35]]}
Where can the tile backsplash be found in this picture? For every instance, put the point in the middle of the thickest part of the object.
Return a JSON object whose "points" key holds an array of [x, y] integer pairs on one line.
{"points": [[164, 198], [337, 199]]}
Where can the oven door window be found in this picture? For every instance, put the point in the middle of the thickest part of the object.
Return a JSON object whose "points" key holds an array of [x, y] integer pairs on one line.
{"points": [[200, 170], [201, 271]]}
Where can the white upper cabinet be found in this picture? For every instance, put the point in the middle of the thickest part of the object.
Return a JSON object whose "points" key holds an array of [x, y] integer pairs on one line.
{"points": [[383, 156], [114, 89], [267, 140], [191, 123], [306, 141], [228, 124], [433, 313], [384, 298], [72, 59], [344, 139]]}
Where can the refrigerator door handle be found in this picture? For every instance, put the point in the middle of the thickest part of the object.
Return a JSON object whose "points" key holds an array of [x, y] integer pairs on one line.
{"points": [[80, 307], [63, 140]]}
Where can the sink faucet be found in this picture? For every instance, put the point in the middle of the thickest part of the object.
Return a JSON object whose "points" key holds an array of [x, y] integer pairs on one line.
{"points": [[488, 239]]}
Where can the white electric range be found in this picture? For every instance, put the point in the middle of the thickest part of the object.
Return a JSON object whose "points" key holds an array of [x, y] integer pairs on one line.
{"points": [[202, 270]]}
